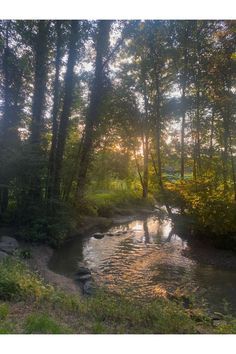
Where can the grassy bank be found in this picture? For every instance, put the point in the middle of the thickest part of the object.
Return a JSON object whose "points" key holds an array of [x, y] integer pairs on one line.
{"points": [[108, 203], [28, 305]]}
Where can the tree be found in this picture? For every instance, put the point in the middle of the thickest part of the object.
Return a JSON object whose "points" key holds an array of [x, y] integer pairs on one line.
{"points": [[66, 109], [95, 105], [55, 109]]}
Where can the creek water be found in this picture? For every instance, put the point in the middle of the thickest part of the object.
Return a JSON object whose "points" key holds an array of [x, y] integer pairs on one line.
{"points": [[144, 259]]}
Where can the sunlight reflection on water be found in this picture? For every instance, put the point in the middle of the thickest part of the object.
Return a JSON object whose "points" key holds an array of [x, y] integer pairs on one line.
{"points": [[144, 259]]}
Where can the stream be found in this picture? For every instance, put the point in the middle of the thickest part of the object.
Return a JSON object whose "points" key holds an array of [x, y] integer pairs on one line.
{"points": [[144, 259]]}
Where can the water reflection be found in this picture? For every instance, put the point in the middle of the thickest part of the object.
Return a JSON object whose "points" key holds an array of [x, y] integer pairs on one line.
{"points": [[146, 236], [144, 258]]}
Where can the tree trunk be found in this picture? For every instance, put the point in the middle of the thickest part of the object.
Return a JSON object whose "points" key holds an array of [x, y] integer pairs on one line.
{"points": [[145, 166], [66, 110], [95, 106], [55, 110], [211, 135], [198, 128], [225, 150], [38, 105], [145, 146], [41, 50], [138, 170], [158, 131], [5, 123], [182, 133], [232, 167]]}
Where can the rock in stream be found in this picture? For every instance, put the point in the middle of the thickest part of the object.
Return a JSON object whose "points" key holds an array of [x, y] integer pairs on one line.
{"points": [[8, 244]]}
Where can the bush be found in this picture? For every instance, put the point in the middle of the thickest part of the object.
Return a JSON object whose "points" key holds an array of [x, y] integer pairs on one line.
{"points": [[211, 210]]}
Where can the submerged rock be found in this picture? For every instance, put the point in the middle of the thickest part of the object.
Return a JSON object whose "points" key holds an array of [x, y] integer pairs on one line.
{"points": [[82, 271], [89, 288], [8, 244], [98, 235], [83, 277]]}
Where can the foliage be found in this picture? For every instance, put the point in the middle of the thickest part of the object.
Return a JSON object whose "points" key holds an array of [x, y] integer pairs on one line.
{"points": [[211, 211], [40, 225]]}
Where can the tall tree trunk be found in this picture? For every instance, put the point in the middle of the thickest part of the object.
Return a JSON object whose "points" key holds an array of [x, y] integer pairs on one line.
{"points": [[66, 110], [38, 106], [5, 123], [225, 153], [158, 136], [95, 106], [145, 146], [182, 132], [145, 166], [158, 130], [198, 128], [232, 167], [183, 100], [138, 170], [55, 110], [211, 135], [41, 51]]}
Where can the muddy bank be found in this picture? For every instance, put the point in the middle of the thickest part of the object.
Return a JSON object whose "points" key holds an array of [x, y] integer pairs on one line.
{"points": [[40, 256]]}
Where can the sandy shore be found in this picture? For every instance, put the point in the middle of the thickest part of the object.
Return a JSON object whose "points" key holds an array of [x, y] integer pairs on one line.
{"points": [[40, 256]]}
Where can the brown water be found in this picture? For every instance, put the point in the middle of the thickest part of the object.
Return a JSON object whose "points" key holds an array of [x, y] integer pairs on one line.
{"points": [[147, 261]]}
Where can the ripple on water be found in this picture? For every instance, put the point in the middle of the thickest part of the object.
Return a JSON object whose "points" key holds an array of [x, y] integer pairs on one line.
{"points": [[145, 262]]}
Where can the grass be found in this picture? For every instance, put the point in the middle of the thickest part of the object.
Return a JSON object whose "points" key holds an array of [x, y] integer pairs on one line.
{"points": [[43, 324], [4, 310], [31, 306], [105, 203]]}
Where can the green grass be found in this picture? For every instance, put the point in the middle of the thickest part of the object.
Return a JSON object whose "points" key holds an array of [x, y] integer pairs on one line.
{"points": [[43, 324], [104, 203], [16, 281], [35, 307]]}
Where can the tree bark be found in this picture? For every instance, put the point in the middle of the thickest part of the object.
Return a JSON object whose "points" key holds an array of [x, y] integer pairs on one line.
{"points": [[66, 110], [55, 111], [183, 133], [38, 106], [145, 146], [95, 106], [158, 130], [41, 50], [183, 101]]}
